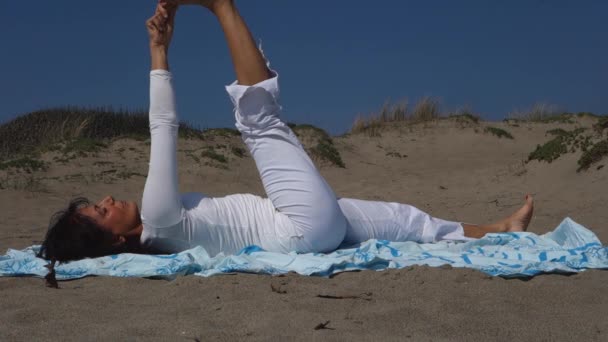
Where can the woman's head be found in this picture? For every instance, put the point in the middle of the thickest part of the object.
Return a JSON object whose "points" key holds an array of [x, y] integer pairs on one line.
{"points": [[91, 230], [121, 218]]}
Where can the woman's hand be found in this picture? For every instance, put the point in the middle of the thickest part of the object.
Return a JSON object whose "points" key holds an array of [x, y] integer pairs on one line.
{"points": [[160, 31], [160, 25]]}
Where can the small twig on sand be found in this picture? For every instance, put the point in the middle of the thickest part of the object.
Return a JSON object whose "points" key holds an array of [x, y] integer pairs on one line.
{"points": [[323, 326], [366, 296], [495, 202]]}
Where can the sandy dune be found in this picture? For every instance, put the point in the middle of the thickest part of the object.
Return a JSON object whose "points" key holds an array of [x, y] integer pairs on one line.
{"points": [[453, 170]]}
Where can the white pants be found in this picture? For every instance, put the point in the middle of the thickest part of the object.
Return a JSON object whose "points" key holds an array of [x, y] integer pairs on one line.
{"points": [[293, 184]]}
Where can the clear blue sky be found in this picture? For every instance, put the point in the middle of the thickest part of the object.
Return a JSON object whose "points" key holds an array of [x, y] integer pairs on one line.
{"points": [[336, 58]]}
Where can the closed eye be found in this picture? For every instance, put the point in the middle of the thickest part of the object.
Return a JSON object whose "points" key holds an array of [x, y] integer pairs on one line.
{"points": [[101, 211]]}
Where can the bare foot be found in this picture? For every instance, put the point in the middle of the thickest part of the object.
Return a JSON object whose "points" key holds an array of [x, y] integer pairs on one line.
{"points": [[210, 4], [190, 2], [519, 221]]}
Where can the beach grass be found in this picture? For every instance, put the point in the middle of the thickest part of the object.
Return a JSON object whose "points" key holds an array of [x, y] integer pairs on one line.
{"points": [[76, 127], [80, 132], [425, 110], [541, 113]]}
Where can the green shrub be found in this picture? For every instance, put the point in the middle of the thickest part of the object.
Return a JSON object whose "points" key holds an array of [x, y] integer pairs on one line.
{"points": [[238, 151], [25, 163], [499, 132], [465, 117], [193, 156], [601, 124], [324, 148], [549, 151], [593, 155], [82, 144], [187, 132], [212, 154], [559, 145], [65, 158], [557, 132]]}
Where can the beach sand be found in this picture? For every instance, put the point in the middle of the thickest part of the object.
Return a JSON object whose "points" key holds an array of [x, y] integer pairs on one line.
{"points": [[452, 170]]}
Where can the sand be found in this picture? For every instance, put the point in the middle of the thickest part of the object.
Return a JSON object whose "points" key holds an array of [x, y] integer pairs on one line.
{"points": [[452, 170]]}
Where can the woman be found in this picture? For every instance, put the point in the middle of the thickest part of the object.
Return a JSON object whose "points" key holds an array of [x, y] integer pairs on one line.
{"points": [[301, 212]]}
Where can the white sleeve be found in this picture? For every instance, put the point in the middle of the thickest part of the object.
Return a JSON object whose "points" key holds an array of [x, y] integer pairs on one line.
{"points": [[161, 203]]}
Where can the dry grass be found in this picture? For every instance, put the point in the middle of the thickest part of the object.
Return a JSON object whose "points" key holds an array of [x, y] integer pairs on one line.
{"points": [[388, 113], [541, 112], [425, 110]]}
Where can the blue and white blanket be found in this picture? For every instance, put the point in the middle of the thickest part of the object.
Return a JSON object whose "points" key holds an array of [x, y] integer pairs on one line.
{"points": [[569, 248]]}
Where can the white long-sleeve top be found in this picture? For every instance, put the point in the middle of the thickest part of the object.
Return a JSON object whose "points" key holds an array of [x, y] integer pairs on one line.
{"points": [[305, 215]]}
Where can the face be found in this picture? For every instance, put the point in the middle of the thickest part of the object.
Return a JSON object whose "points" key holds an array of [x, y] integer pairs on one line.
{"points": [[121, 218]]}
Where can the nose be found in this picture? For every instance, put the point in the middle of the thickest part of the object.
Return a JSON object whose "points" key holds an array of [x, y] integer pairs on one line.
{"points": [[108, 200]]}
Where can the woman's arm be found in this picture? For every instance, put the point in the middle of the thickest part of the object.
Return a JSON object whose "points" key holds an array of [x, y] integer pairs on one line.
{"points": [[161, 203]]}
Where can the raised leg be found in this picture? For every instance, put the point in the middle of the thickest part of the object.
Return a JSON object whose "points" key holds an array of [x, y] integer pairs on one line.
{"points": [[308, 217], [249, 64]]}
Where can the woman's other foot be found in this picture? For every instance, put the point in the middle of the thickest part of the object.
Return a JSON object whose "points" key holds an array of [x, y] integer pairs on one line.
{"points": [[519, 221], [210, 4]]}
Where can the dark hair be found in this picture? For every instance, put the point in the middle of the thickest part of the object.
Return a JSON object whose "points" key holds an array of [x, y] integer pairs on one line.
{"points": [[73, 236]]}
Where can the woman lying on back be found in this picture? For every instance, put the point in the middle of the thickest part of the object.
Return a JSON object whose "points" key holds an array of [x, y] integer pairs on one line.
{"points": [[301, 212]]}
